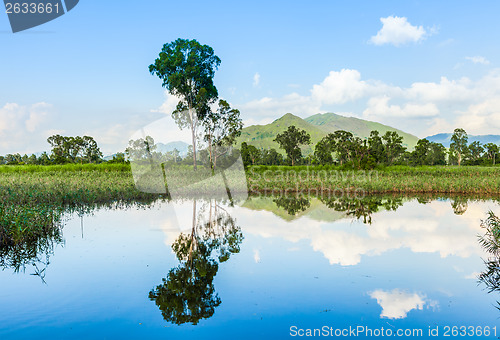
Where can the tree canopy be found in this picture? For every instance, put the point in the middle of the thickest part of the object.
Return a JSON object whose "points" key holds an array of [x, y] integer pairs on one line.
{"points": [[186, 69], [291, 140]]}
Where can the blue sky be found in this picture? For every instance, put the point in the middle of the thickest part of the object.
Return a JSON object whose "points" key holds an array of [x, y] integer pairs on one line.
{"points": [[421, 66]]}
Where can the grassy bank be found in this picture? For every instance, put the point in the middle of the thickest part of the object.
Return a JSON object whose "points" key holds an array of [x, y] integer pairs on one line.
{"points": [[81, 184], [34, 199], [71, 184], [397, 179]]}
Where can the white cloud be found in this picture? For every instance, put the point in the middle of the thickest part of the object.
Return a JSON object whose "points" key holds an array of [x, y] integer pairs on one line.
{"points": [[251, 121], [256, 79], [168, 105], [340, 87], [446, 90], [37, 115], [397, 303], [267, 107], [24, 127], [478, 60], [447, 103], [473, 276], [398, 31], [379, 107], [430, 228]]}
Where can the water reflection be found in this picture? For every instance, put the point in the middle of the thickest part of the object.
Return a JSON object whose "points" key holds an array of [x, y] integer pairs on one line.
{"points": [[459, 205], [397, 303], [490, 241], [187, 294], [293, 204], [363, 207], [29, 233], [27, 237]]}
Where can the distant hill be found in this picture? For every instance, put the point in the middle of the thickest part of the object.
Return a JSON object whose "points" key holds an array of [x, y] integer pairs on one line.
{"points": [[445, 139], [331, 122], [164, 148], [180, 146], [261, 136], [318, 126]]}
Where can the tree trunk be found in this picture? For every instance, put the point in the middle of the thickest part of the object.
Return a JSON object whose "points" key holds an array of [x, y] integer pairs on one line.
{"points": [[193, 135], [193, 231], [210, 153]]}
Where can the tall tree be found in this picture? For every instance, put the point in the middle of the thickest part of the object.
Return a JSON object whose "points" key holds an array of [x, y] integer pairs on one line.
{"points": [[420, 155], [376, 147], [250, 154], [186, 69], [341, 142], [458, 144], [323, 151], [393, 146], [492, 151], [437, 154], [475, 151], [291, 140], [221, 129]]}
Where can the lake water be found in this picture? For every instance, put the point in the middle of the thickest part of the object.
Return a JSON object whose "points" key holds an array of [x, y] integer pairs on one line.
{"points": [[266, 269]]}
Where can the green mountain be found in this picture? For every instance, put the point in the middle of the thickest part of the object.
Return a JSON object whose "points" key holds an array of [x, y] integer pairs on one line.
{"points": [[331, 122], [318, 126], [262, 136]]}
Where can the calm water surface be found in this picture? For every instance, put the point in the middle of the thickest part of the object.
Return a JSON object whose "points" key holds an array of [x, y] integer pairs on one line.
{"points": [[267, 269]]}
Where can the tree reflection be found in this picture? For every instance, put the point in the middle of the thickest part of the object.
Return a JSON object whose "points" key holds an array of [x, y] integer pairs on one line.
{"points": [[292, 204], [30, 232], [362, 207], [27, 236], [188, 294], [459, 205], [490, 241]]}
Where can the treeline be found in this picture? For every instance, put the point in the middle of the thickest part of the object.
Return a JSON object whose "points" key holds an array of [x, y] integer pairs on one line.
{"points": [[64, 150], [343, 148]]}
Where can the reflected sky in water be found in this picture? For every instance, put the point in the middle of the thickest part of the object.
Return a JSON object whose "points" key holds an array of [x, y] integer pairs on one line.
{"points": [[414, 267]]}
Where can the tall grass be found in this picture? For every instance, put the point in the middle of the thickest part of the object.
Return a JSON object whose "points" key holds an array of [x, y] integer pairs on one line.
{"points": [[397, 179]]}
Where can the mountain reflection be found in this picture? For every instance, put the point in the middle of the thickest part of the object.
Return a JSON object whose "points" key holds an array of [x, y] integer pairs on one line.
{"points": [[187, 294], [490, 241], [290, 207], [362, 207]]}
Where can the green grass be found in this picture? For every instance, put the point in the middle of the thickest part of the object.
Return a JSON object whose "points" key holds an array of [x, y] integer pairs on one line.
{"points": [[34, 199], [397, 179], [104, 167]]}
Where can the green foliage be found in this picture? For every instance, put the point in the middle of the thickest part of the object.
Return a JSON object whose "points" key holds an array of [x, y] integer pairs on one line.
{"points": [[428, 153], [221, 129], [398, 179], [187, 294], [458, 144], [186, 69], [330, 122], [393, 146], [490, 241], [74, 149], [291, 140]]}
